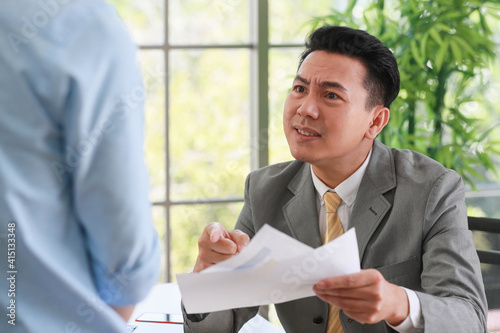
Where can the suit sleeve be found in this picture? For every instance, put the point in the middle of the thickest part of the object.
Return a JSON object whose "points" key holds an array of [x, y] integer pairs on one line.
{"points": [[245, 220], [452, 298]]}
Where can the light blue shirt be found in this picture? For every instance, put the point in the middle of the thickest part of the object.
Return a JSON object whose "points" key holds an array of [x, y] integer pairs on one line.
{"points": [[76, 231]]}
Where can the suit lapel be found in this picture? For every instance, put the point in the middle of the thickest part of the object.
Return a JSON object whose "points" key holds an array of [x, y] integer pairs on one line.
{"points": [[371, 206], [300, 211], [369, 209]]}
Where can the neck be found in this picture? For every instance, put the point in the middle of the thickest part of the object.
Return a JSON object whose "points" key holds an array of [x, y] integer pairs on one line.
{"points": [[334, 172]]}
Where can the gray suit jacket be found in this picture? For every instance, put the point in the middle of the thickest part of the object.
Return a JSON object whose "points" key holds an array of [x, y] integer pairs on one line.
{"points": [[411, 225]]}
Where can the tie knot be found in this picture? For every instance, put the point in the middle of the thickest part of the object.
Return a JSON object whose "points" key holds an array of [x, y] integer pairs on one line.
{"points": [[332, 201]]}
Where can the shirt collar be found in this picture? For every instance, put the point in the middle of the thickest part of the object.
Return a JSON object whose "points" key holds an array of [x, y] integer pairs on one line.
{"points": [[348, 189]]}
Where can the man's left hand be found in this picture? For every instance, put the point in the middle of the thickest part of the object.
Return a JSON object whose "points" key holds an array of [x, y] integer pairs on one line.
{"points": [[365, 297]]}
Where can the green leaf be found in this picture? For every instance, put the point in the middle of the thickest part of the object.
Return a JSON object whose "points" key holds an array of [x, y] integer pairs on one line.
{"points": [[464, 44], [484, 24], [423, 44], [486, 161], [443, 27], [416, 55], [435, 35], [451, 15], [455, 49], [350, 7], [443, 49]]}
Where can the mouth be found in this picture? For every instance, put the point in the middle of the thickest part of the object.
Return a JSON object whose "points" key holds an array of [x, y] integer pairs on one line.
{"points": [[305, 132]]}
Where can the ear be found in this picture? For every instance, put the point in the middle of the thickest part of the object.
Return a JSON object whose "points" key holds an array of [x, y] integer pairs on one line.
{"points": [[380, 118]]}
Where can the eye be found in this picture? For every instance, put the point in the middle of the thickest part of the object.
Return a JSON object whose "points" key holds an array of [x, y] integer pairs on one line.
{"points": [[331, 95], [299, 89]]}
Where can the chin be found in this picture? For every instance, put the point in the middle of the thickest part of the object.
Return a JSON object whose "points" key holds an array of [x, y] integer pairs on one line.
{"points": [[301, 156]]}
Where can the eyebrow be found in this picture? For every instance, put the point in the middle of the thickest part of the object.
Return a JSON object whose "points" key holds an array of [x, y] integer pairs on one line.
{"points": [[328, 84]]}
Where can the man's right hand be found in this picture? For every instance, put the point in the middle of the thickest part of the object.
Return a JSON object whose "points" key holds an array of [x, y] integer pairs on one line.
{"points": [[216, 244]]}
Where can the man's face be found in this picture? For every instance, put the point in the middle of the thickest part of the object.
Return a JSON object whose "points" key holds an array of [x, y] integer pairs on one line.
{"points": [[325, 116]]}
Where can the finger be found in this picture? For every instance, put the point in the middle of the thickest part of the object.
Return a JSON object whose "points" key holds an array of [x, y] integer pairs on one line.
{"points": [[213, 257], [363, 278], [359, 310], [240, 238], [369, 292], [215, 236], [347, 304], [208, 258], [223, 244], [216, 231]]}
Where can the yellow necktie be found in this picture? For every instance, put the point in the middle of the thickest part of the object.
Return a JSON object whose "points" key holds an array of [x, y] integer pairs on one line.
{"points": [[333, 230]]}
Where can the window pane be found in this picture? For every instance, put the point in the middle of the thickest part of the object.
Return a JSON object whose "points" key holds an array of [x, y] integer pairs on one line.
{"points": [[158, 213], [208, 22], [153, 71], [489, 112], [289, 20], [209, 123], [187, 225], [486, 206], [282, 69], [145, 19]]}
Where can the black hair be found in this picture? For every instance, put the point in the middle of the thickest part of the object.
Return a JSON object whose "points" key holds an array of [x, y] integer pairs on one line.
{"points": [[382, 80]]}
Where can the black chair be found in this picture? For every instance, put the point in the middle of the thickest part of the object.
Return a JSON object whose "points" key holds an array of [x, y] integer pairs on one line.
{"points": [[490, 260], [489, 226]]}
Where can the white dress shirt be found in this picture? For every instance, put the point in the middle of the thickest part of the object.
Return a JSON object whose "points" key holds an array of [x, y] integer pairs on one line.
{"points": [[348, 190]]}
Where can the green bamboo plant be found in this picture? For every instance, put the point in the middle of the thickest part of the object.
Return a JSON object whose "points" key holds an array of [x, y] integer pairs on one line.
{"points": [[442, 48]]}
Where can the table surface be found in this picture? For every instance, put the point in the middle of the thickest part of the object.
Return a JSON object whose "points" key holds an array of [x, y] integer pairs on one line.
{"points": [[166, 298]]}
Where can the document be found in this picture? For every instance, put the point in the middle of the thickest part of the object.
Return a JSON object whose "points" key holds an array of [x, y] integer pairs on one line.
{"points": [[273, 268]]}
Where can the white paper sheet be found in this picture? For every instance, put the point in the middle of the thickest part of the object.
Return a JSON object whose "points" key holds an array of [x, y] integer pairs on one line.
{"points": [[273, 268]]}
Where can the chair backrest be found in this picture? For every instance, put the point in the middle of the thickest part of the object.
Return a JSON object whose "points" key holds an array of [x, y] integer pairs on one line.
{"points": [[491, 271], [490, 226]]}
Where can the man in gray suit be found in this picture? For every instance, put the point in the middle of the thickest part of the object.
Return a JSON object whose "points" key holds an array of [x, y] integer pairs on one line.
{"points": [[419, 266]]}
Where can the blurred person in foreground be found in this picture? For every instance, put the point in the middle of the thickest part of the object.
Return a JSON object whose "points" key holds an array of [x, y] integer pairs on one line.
{"points": [[420, 271], [77, 241]]}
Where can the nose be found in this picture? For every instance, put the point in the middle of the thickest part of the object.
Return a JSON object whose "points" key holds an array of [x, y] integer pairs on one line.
{"points": [[309, 107]]}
